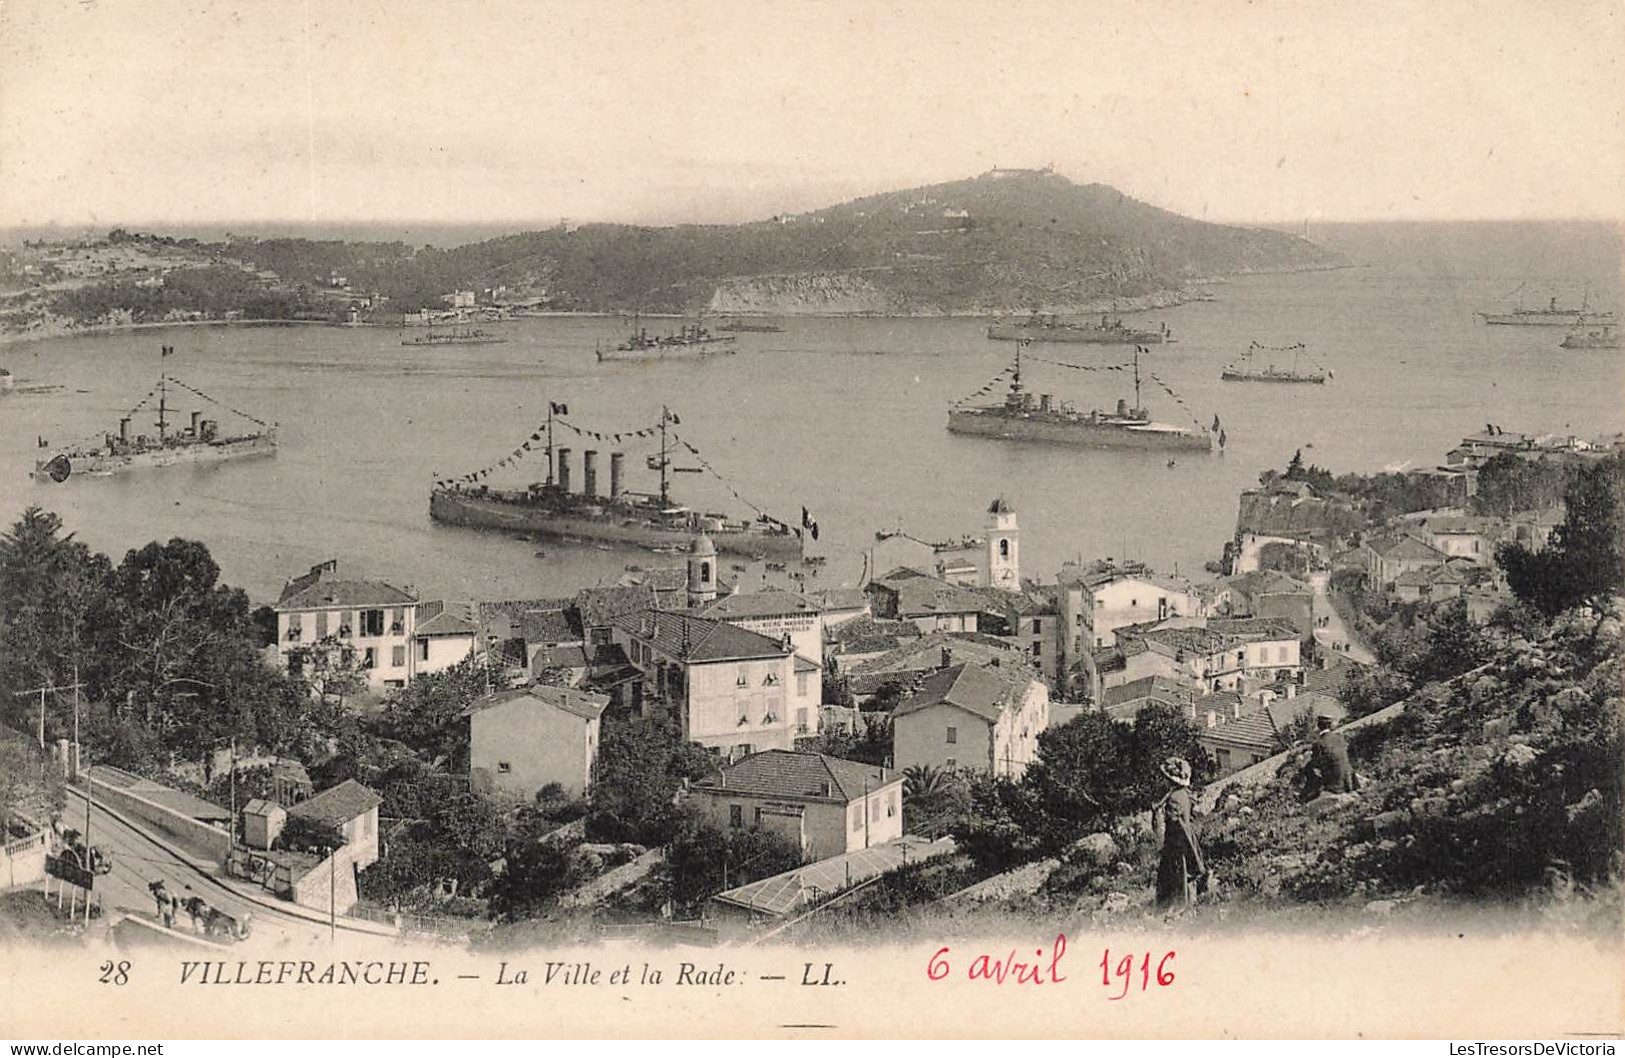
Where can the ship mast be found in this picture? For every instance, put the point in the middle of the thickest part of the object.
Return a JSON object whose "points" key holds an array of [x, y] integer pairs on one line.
{"points": [[550, 444], [665, 491], [163, 394], [1137, 409]]}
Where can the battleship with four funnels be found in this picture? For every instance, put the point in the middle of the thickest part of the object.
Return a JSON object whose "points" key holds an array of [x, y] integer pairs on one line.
{"points": [[199, 442], [1022, 417], [553, 509], [1040, 328]]}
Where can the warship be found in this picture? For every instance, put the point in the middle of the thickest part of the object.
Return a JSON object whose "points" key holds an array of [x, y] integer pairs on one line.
{"points": [[1022, 417], [554, 508], [688, 340], [1602, 337], [456, 336], [746, 327], [201, 441], [1041, 328], [1550, 315], [1243, 369]]}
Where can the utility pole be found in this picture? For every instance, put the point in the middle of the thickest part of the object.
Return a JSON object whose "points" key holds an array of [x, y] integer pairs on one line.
{"points": [[332, 896]]}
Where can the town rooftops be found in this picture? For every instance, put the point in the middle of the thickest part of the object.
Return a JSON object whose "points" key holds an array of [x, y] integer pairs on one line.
{"points": [[801, 776], [698, 639], [984, 692], [1255, 628], [773, 602], [549, 627], [919, 595], [321, 588], [599, 607], [337, 805], [446, 619], [927, 653], [1260, 731], [1405, 548], [583, 704], [1128, 697], [843, 598]]}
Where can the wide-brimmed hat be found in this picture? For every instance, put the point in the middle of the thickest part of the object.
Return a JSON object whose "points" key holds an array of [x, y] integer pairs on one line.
{"points": [[1177, 770]]}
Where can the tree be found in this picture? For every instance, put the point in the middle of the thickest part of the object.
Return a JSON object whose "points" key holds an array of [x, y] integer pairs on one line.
{"points": [[50, 588], [1452, 644], [641, 765], [331, 669], [427, 715], [703, 860], [1585, 558]]}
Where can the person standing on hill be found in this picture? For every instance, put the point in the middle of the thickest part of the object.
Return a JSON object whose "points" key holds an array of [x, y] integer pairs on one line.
{"points": [[1181, 868], [1329, 760]]}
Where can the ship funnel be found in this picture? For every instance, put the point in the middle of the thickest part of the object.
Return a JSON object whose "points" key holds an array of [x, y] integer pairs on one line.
{"points": [[564, 469], [1122, 409], [1043, 402], [124, 429], [195, 415], [589, 472], [617, 474]]}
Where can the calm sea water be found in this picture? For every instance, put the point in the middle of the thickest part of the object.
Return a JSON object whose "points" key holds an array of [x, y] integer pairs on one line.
{"points": [[845, 416]]}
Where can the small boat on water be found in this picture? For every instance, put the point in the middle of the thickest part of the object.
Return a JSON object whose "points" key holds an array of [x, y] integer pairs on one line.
{"points": [[202, 441], [1245, 369], [1603, 337]]}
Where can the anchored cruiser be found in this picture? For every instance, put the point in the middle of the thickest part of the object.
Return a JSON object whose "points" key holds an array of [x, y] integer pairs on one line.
{"points": [[201, 441], [689, 340], [553, 509], [1039, 328], [1022, 417], [1245, 370]]}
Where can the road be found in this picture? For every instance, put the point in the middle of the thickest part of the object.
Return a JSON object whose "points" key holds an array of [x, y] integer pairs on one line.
{"points": [[1336, 631], [138, 861]]}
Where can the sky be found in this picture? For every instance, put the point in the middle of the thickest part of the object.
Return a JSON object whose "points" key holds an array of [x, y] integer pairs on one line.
{"points": [[450, 111]]}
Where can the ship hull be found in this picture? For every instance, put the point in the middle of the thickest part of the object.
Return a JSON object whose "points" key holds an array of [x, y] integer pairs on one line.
{"points": [[480, 512], [1236, 376], [664, 352], [102, 464], [1084, 435], [1010, 333], [1534, 319]]}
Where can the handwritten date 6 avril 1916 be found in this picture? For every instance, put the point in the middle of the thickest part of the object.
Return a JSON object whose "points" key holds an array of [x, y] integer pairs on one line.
{"points": [[1134, 971]]}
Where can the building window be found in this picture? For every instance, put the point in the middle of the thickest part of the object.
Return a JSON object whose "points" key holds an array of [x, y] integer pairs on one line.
{"points": [[736, 815], [296, 630], [369, 659], [1038, 650], [857, 817], [801, 722], [953, 735], [951, 762], [372, 622], [397, 656], [743, 678], [758, 817], [395, 683], [874, 810], [891, 805], [801, 685], [423, 650], [396, 627], [321, 625], [1038, 626], [1004, 548], [770, 680], [503, 767]]}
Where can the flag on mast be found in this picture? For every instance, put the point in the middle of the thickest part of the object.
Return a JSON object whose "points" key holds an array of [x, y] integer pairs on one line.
{"points": [[809, 523], [559, 409]]}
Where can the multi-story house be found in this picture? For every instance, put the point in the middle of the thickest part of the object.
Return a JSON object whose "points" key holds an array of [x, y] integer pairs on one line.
{"points": [[970, 716], [930, 604], [523, 739], [826, 806], [730, 690], [375, 620]]}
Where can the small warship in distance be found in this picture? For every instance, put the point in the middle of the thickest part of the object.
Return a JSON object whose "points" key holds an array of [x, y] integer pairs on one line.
{"points": [[654, 521], [746, 327], [1245, 369], [1551, 315], [455, 336], [1598, 337], [1023, 418], [1041, 328], [688, 340], [200, 442]]}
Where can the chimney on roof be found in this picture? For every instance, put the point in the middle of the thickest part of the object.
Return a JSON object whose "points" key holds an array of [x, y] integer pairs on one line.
{"points": [[823, 789], [947, 658], [1235, 709]]}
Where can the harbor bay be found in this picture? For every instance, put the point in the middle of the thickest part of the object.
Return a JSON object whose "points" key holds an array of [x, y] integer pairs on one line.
{"points": [[845, 416]]}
